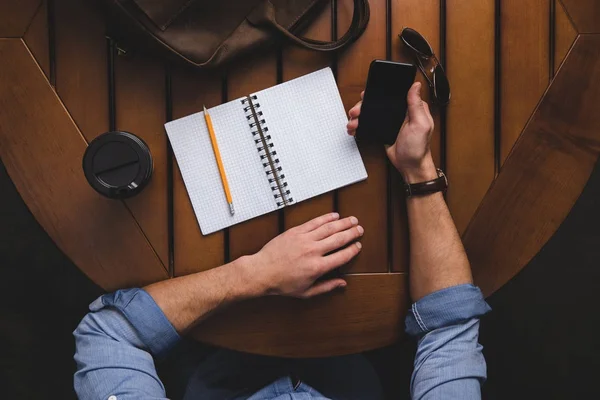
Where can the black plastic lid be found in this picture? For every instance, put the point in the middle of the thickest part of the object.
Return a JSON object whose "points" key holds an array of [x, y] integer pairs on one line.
{"points": [[117, 165]]}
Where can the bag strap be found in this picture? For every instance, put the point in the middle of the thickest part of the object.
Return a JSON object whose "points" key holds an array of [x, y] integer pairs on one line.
{"points": [[264, 13]]}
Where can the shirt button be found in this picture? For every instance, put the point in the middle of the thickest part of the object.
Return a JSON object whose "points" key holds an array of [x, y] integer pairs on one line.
{"points": [[112, 398]]}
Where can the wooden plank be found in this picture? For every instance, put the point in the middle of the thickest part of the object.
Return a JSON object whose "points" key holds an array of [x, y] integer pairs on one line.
{"points": [[424, 17], [249, 77], [366, 200], [470, 121], [81, 65], [140, 109], [36, 38], [193, 252], [524, 71], [298, 62], [585, 14], [369, 313], [41, 148], [15, 16], [543, 176], [399, 220], [565, 35]]}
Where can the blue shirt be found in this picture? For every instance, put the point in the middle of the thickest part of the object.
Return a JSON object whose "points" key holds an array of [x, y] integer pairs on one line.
{"points": [[117, 342]]}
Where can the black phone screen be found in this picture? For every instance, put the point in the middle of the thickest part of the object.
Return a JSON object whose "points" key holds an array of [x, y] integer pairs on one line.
{"points": [[384, 103]]}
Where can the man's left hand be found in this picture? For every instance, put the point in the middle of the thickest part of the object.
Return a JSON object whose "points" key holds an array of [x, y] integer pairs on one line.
{"points": [[290, 264]]}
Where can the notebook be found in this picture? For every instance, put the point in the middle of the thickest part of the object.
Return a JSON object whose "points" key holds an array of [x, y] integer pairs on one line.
{"points": [[303, 124]]}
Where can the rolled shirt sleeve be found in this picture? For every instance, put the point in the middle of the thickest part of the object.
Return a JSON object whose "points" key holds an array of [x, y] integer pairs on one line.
{"points": [[116, 344], [449, 363]]}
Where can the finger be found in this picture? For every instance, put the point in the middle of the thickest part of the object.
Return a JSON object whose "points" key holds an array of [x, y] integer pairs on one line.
{"points": [[352, 125], [428, 112], [362, 95], [322, 288], [426, 107], [416, 108], [317, 222], [355, 111], [330, 228], [341, 257], [429, 116], [391, 153], [341, 239]]}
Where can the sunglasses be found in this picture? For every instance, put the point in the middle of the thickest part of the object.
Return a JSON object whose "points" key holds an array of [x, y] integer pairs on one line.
{"points": [[423, 52]]}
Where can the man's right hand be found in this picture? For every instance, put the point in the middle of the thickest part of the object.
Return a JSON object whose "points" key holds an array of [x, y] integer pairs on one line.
{"points": [[290, 264], [410, 154]]}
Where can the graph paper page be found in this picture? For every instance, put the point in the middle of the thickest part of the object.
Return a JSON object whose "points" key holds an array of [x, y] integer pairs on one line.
{"points": [[307, 122], [251, 193]]}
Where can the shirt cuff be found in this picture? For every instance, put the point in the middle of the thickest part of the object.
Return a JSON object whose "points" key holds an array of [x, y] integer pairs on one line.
{"points": [[445, 307], [140, 309]]}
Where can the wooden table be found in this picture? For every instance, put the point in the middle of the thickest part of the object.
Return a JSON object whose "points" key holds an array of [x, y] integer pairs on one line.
{"points": [[62, 83]]}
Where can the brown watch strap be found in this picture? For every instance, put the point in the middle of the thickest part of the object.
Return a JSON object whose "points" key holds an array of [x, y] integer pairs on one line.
{"points": [[439, 184]]}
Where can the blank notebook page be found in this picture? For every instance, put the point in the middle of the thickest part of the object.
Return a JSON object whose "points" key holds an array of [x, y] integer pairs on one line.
{"points": [[307, 122]]}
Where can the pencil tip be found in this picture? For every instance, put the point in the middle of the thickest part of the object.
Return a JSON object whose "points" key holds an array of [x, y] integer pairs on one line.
{"points": [[203, 106]]}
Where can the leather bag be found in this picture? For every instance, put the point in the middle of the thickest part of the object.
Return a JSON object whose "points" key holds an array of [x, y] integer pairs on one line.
{"points": [[211, 33]]}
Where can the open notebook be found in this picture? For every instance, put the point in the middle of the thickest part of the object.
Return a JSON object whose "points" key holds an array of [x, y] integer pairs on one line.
{"points": [[303, 123]]}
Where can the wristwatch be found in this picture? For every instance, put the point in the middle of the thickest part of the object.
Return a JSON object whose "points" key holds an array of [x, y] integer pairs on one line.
{"points": [[439, 184]]}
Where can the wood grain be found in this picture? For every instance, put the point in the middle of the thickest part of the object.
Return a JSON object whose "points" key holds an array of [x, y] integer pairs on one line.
{"points": [[41, 148], [36, 38], [368, 314], [565, 35], [81, 66], [298, 62], [424, 17], [470, 124], [15, 16], [140, 109], [524, 70], [543, 176], [193, 252], [249, 77], [585, 14], [366, 200]]}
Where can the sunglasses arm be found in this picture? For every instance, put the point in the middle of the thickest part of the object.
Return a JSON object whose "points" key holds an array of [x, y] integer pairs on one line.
{"points": [[422, 68]]}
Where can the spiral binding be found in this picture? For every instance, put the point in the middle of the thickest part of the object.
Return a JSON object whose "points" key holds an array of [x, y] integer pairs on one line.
{"points": [[267, 152]]}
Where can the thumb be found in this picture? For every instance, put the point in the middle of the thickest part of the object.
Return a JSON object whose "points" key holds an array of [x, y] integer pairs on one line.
{"points": [[323, 287], [416, 109]]}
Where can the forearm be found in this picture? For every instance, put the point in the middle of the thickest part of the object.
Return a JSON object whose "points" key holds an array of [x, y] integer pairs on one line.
{"points": [[187, 300], [446, 310], [437, 256], [118, 340]]}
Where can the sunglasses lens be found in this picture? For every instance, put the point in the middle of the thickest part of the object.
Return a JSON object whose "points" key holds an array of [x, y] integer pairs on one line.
{"points": [[441, 85], [416, 41]]}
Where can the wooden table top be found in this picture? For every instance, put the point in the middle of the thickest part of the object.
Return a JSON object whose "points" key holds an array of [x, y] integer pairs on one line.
{"points": [[62, 83]]}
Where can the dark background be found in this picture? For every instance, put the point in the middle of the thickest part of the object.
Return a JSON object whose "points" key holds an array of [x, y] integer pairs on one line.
{"points": [[541, 340]]}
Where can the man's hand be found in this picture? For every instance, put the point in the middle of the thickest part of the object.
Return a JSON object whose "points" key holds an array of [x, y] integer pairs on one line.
{"points": [[290, 264], [410, 154]]}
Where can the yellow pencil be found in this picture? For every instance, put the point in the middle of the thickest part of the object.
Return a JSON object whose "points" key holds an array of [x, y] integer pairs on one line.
{"points": [[213, 140]]}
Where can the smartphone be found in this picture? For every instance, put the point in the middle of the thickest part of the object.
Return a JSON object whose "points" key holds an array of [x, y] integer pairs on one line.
{"points": [[384, 103]]}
